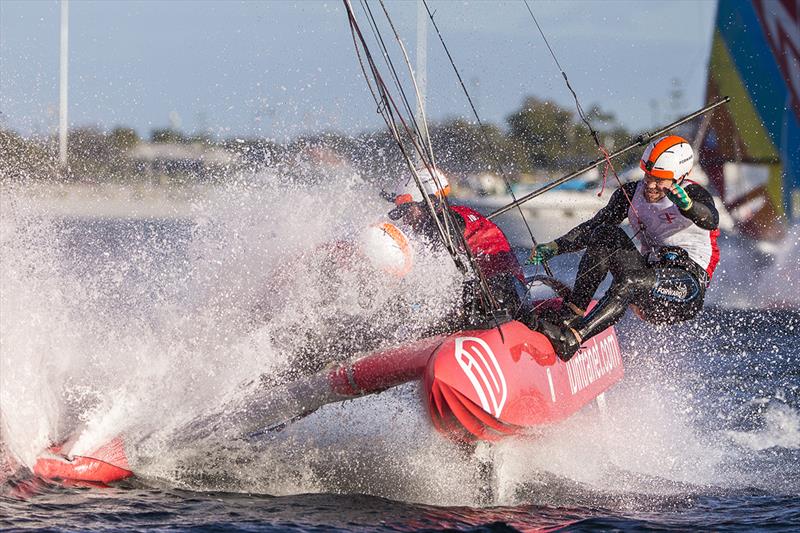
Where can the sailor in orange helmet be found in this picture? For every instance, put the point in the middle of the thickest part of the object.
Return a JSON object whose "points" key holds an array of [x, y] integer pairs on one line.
{"points": [[675, 222], [487, 243]]}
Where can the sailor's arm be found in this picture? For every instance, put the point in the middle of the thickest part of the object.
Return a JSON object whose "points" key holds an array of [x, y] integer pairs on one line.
{"points": [[696, 204], [578, 238], [612, 214]]}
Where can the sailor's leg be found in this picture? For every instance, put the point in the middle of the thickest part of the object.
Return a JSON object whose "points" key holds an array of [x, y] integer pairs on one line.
{"points": [[625, 289], [610, 250], [677, 295]]}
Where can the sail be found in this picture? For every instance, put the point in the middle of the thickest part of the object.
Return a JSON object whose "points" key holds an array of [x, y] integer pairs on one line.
{"points": [[751, 148]]}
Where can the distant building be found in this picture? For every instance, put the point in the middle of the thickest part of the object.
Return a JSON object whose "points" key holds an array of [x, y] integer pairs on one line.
{"points": [[172, 160]]}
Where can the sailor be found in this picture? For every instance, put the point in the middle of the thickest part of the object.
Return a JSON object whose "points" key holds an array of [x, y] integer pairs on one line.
{"points": [[665, 279], [487, 243]]}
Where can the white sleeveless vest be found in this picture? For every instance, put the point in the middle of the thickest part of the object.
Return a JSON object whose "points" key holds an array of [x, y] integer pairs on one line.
{"points": [[661, 224]]}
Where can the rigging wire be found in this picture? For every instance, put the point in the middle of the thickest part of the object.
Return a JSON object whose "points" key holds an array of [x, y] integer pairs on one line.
{"points": [[485, 135], [420, 139], [430, 164], [609, 165], [389, 63], [386, 108], [390, 112], [422, 132], [413, 132]]}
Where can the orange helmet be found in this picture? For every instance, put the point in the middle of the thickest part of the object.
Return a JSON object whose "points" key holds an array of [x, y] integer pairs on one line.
{"points": [[669, 157], [387, 249]]}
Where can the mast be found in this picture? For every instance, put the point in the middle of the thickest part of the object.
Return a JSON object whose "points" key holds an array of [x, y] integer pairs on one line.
{"points": [[62, 92], [422, 65]]}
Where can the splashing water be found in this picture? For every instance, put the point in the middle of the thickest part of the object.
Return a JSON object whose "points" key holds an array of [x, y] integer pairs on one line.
{"points": [[749, 278], [133, 327], [136, 327]]}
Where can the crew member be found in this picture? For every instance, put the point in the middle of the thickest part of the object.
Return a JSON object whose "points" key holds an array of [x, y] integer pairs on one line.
{"points": [[675, 222], [487, 243]]}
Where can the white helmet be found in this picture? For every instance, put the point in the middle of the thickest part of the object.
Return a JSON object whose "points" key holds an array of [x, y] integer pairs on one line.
{"points": [[670, 157], [387, 249], [407, 191]]}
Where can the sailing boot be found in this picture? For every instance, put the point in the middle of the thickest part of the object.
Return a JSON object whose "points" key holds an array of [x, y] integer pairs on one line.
{"points": [[606, 313], [565, 340]]}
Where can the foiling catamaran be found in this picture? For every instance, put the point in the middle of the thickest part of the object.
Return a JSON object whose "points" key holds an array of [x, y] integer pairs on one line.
{"points": [[493, 378]]}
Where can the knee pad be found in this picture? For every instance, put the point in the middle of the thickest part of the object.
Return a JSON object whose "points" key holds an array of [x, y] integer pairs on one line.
{"points": [[676, 296], [675, 286]]}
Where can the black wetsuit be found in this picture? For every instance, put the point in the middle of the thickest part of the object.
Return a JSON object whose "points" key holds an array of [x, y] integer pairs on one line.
{"points": [[668, 289]]}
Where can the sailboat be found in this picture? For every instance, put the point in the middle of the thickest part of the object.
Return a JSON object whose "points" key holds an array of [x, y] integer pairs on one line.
{"points": [[751, 151], [493, 378]]}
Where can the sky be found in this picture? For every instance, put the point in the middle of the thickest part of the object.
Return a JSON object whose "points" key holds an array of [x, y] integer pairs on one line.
{"points": [[277, 69]]}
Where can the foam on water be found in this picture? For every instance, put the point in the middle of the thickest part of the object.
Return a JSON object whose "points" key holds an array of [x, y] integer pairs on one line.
{"points": [[748, 278], [781, 430], [139, 340], [117, 329]]}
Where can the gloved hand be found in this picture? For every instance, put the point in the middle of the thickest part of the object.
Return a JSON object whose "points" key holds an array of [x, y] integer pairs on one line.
{"points": [[679, 197], [543, 252]]}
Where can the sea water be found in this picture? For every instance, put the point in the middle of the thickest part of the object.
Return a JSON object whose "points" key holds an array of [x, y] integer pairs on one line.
{"points": [[134, 327]]}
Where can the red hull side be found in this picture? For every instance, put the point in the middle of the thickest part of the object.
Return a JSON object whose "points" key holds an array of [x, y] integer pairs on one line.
{"points": [[483, 385], [479, 384], [106, 464], [78, 468]]}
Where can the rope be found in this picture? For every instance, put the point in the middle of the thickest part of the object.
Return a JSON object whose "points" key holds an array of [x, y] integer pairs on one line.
{"points": [[486, 138], [391, 114], [581, 113], [608, 164], [566, 79]]}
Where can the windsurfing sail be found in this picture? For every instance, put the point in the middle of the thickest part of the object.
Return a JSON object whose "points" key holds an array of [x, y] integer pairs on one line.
{"points": [[751, 149]]}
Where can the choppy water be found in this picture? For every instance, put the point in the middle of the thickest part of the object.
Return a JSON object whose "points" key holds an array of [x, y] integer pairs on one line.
{"points": [[133, 326]]}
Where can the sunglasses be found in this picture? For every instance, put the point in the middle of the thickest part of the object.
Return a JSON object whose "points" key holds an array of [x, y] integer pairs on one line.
{"points": [[649, 178]]}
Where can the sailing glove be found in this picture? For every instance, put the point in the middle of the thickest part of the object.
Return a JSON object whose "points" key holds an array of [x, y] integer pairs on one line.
{"points": [[543, 252], [679, 197]]}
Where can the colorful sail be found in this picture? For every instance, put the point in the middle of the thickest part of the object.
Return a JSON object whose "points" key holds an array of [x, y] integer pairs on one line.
{"points": [[751, 148]]}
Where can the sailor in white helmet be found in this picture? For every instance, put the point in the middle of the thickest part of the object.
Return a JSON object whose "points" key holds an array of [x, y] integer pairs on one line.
{"points": [[487, 243], [675, 223]]}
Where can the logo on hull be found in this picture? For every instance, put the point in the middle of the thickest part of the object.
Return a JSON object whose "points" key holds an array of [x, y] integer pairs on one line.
{"points": [[480, 365], [596, 359]]}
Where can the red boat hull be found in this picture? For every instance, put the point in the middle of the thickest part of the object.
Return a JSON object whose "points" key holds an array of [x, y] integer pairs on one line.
{"points": [[487, 384], [106, 464], [478, 385]]}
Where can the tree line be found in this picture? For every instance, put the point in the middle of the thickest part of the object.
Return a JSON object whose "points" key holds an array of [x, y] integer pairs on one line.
{"points": [[539, 135]]}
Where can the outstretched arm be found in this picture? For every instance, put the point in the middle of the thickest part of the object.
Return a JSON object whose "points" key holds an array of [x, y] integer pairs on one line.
{"points": [[612, 214]]}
